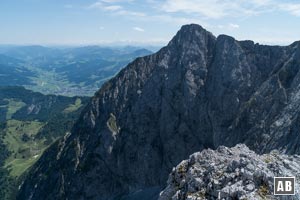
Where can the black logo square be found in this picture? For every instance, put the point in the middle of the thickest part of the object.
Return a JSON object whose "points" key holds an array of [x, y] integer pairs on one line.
{"points": [[284, 185]]}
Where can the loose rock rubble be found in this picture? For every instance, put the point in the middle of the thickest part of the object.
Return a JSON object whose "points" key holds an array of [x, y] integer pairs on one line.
{"points": [[230, 173]]}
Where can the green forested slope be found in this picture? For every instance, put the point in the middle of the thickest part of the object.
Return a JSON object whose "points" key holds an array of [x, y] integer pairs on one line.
{"points": [[29, 123]]}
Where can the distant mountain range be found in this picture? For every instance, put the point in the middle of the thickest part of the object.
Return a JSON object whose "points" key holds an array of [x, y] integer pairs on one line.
{"points": [[14, 72], [198, 92], [64, 71]]}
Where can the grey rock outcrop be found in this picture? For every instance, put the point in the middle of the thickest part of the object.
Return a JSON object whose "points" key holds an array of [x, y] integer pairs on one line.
{"points": [[230, 173], [198, 92]]}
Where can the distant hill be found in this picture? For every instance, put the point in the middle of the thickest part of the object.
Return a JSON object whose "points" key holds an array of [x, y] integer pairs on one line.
{"points": [[94, 65], [64, 71], [14, 72]]}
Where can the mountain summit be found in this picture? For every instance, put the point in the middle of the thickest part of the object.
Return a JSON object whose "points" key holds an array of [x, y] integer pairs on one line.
{"points": [[198, 92]]}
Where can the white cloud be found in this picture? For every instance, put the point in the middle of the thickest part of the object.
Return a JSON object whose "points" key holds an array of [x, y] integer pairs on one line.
{"points": [[293, 9], [234, 26], [227, 27], [112, 8], [103, 6], [138, 29], [216, 9], [109, 6], [206, 8], [261, 2], [194, 11], [96, 5]]}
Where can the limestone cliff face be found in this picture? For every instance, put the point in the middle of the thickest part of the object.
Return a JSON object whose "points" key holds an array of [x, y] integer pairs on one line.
{"points": [[198, 92]]}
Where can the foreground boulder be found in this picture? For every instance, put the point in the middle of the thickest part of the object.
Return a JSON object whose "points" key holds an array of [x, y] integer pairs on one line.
{"points": [[230, 173]]}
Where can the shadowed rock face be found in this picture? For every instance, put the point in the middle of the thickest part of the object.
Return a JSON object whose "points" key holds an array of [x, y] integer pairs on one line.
{"points": [[197, 92], [230, 173]]}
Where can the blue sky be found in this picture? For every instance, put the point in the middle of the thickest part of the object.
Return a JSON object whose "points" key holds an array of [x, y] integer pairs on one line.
{"points": [[149, 22]]}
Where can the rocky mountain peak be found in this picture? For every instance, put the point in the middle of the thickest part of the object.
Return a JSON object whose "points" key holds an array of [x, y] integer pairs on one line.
{"points": [[191, 31], [191, 36], [198, 92]]}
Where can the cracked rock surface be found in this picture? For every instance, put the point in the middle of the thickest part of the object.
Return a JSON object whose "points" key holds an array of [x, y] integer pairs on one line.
{"points": [[230, 173]]}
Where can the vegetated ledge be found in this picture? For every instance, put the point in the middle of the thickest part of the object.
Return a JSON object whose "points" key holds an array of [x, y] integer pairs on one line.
{"points": [[230, 173]]}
